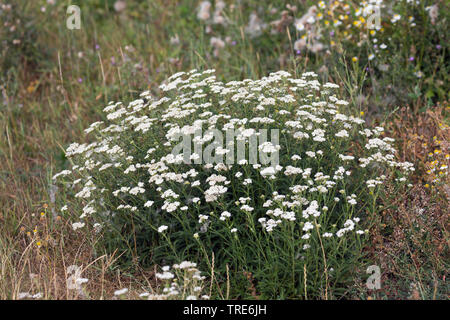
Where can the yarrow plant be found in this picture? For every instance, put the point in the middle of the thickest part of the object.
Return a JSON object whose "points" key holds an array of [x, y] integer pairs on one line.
{"points": [[294, 229]]}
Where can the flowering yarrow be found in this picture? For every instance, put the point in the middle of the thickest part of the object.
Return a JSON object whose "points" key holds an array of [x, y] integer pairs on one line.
{"points": [[130, 169]]}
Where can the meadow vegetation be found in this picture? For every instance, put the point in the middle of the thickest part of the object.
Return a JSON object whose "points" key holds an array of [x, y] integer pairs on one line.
{"points": [[343, 81]]}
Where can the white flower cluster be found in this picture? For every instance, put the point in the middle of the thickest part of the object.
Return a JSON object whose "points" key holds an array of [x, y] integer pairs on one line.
{"points": [[182, 281], [130, 169]]}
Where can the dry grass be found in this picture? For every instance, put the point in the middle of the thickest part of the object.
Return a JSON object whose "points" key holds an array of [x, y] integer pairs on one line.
{"points": [[411, 239], [38, 261]]}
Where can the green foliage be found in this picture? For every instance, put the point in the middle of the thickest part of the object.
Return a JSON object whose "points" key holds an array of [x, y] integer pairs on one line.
{"points": [[294, 231]]}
